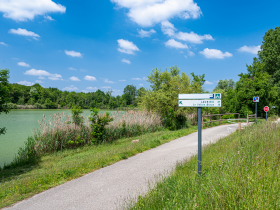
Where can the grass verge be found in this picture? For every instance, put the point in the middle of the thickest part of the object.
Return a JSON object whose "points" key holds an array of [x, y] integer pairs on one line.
{"points": [[240, 171]]}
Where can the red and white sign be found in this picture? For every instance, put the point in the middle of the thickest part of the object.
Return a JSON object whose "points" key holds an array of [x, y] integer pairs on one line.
{"points": [[266, 108]]}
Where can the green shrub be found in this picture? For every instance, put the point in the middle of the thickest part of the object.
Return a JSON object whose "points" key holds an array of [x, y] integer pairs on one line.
{"points": [[76, 115]]}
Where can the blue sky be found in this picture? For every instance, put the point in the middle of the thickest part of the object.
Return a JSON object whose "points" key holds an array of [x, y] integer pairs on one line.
{"points": [[109, 44]]}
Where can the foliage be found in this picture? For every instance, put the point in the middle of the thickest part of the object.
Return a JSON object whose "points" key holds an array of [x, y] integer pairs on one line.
{"points": [[269, 55], [238, 172], [4, 94], [98, 124], [165, 87], [76, 115], [224, 85]]}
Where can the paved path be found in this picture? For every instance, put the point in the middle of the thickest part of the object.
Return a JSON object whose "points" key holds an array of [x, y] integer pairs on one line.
{"points": [[109, 187]]}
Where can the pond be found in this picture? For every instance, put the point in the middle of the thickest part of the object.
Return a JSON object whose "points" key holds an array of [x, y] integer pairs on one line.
{"points": [[20, 124]]}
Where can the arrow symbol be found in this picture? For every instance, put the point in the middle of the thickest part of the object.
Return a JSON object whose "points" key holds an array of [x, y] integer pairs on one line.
{"points": [[181, 102]]}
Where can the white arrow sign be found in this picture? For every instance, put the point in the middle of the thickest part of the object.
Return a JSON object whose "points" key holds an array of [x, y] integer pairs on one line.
{"points": [[200, 103], [200, 96]]}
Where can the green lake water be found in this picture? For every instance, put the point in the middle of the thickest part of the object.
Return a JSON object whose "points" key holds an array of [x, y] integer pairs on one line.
{"points": [[20, 124]]}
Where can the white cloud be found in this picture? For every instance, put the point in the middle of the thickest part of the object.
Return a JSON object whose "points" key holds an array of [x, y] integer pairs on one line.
{"points": [[191, 53], [70, 68], [47, 17], [169, 29], [250, 49], [107, 81], [125, 61], [175, 44], [42, 73], [106, 87], [23, 64], [40, 77], [24, 32], [70, 88], [92, 88], [141, 84], [143, 33], [20, 10], [214, 53], [3, 44], [122, 80], [127, 47], [185, 56], [116, 92], [90, 78], [208, 83], [73, 53], [26, 83], [75, 79], [136, 78], [150, 12], [39, 81]]}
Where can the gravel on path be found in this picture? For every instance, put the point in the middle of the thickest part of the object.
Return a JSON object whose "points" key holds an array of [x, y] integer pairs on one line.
{"points": [[109, 187]]}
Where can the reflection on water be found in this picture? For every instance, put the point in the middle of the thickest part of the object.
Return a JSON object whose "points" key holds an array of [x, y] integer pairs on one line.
{"points": [[20, 124]]}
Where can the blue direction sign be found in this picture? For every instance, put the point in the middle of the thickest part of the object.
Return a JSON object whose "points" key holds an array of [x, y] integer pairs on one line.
{"points": [[256, 99]]}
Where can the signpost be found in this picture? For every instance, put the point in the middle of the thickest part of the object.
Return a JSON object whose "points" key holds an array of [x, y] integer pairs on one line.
{"points": [[256, 99], [199, 101], [266, 109]]}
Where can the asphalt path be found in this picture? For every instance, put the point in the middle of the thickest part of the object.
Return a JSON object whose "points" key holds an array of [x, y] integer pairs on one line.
{"points": [[111, 187]]}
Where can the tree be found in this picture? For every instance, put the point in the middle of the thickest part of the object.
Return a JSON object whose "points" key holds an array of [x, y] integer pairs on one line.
{"points": [[270, 54], [130, 94], [165, 87], [4, 94], [225, 85]]}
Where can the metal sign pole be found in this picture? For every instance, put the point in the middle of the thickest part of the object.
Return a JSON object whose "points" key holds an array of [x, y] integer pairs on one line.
{"points": [[256, 111], [199, 140], [266, 116]]}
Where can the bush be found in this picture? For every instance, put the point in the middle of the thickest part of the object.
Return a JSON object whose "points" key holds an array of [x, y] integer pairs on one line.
{"points": [[173, 122], [98, 125], [76, 115]]}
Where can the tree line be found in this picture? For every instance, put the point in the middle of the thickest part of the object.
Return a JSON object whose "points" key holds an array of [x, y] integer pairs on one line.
{"points": [[53, 98]]}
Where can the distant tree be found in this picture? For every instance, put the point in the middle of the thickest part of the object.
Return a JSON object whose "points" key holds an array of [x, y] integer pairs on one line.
{"points": [[130, 94], [4, 94], [225, 85]]}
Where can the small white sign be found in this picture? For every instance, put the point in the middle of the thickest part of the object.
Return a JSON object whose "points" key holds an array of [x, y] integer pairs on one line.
{"points": [[200, 103], [200, 96]]}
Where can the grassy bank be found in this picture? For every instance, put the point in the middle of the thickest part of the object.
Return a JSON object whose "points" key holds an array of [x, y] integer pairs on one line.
{"points": [[54, 169], [240, 171]]}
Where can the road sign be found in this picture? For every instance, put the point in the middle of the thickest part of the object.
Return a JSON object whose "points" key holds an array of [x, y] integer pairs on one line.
{"points": [[273, 107], [266, 108], [200, 96], [256, 99], [200, 103]]}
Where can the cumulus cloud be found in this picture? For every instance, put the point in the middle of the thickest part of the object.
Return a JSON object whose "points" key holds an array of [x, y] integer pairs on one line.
{"points": [[175, 44], [191, 53], [3, 44], [23, 64], [214, 53], [70, 88], [92, 88], [106, 87], [39, 81], [127, 47], [42, 73], [75, 79], [26, 83], [141, 84], [70, 68], [143, 33], [20, 10], [208, 83], [24, 32], [90, 78], [150, 12], [47, 17], [107, 81], [73, 53], [169, 29], [250, 49], [125, 61]]}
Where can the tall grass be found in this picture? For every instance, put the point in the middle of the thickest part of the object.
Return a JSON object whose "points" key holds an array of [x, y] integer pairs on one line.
{"points": [[59, 133], [239, 172]]}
